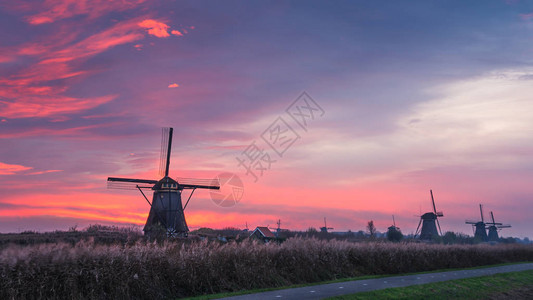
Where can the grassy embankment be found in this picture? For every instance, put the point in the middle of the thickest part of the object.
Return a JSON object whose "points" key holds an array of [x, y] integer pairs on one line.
{"points": [[515, 285]]}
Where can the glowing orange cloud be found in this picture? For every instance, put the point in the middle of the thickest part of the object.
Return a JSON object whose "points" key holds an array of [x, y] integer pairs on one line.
{"points": [[7, 169], [90, 206], [39, 107], [44, 172], [28, 93], [174, 85], [54, 10], [155, 28], [176, 32]]}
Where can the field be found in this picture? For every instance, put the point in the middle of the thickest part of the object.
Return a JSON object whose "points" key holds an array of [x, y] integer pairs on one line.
{"points": [[140, 269]]}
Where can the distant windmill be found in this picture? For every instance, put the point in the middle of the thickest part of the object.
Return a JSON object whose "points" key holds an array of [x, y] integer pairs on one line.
{"points": [[480, 226], [494, 227], [429, 222], [246, 228], [393, 227], [278, 229], [166, 210], [325, 228]]}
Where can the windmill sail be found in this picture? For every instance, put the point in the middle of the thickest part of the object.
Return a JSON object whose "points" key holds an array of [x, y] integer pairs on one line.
{"points": [[164, 151]]}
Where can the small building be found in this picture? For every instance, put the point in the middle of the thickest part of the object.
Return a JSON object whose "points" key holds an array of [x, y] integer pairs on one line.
{"points": [[262, 233]]}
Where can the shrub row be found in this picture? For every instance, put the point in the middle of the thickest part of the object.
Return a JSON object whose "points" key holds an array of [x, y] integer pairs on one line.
{"points": [[89, 270]]}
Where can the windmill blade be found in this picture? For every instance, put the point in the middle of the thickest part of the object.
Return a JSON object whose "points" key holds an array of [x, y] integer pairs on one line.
{"points": [[163, 151], [503, 226], [433, 201], [393, 221], [439, 226], [492, 216], [128, 183], [419, 222], [118, 179], [481, 211], [195, 183], [470, 222], [169, 148]]}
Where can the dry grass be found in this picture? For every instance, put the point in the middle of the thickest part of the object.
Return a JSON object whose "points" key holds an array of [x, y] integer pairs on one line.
{"points": [[95, 271]]}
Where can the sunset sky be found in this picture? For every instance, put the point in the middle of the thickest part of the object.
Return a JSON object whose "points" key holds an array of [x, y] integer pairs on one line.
{"points": [[426, 95]]}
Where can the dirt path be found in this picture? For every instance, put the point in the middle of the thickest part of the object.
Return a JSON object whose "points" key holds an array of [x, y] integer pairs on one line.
{"points": [[351, 287]]}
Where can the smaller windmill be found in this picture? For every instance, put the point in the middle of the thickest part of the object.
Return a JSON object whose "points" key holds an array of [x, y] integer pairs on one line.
{"points": [[325, 228], [494, 227], [480, 232], [429, 222], [278, 229], [393, 227], [246, 228]]}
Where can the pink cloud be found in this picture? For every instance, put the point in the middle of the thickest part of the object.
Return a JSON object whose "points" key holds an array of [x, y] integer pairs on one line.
{"points": [[155, 28], [46, 107], [77, 132], [176, 32], [28, 93], [44, 172], [8, 169], [526, 16], [54, 10], [174, 85]]}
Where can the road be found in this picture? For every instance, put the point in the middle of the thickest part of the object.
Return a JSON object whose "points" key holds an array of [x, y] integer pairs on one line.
{"points": [[351, 287]]}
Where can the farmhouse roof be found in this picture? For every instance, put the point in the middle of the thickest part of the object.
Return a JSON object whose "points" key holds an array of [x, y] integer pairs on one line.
{"points": [[264, 231]]}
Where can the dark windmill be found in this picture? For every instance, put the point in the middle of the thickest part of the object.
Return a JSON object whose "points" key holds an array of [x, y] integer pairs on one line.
{"points": [[429, 221], [166, 209], [494, 227], [393, 227], [278, 229], [480, 232], [393, 232], [325, 228]]}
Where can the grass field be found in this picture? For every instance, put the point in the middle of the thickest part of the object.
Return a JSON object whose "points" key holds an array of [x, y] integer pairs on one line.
{"points": [[516, 285], [175, 269]]}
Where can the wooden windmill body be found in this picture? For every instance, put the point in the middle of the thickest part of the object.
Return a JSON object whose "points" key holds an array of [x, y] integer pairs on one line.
{"points": [[480, 232], [429, 222], [494, 227]]}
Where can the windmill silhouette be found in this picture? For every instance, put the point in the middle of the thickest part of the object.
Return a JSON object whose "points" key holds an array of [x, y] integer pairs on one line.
{"points": [[278, 229], [166, 210], [480, 227], [429, 221], [325, 228], [494, 227], [394, 227]]}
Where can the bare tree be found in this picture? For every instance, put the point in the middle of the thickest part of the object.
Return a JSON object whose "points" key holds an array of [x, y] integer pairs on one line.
{"points": [[371, 228]]}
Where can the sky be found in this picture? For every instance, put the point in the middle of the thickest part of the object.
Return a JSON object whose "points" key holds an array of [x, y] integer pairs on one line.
{"points": [[374, 103]]}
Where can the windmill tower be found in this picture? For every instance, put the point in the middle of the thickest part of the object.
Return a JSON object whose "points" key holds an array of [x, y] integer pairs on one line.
{"points": [[166, 209], [480, 227], [494, 227], [325, 228], [429, 222]]}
